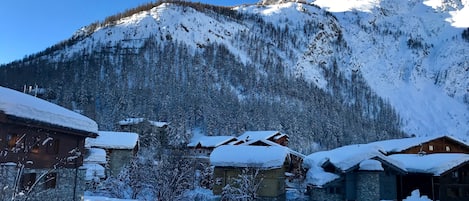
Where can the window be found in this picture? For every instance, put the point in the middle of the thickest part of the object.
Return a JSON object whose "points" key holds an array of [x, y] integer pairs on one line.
{"points": [[27, 181], [448, 148], [334, 190], [12, 139], [50, 180], [430, 147]]}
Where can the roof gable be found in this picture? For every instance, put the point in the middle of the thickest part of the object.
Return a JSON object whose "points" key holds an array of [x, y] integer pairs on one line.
{"points": [[257, 135], [210, 141]]}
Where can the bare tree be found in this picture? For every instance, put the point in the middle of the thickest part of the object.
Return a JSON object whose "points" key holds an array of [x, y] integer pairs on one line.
{"points": [[244, 187]]}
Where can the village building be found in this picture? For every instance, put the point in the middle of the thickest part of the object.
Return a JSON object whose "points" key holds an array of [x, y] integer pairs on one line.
{"points": [[229, 161], [120, 148], [440, 176], [421, 145], [201, 146], [95, 162], [273, 136], [42, 146], [354, 172]]}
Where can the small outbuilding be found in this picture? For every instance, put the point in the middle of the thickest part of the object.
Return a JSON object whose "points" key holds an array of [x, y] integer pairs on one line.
{"points": [[120, 147], [230, 160]]}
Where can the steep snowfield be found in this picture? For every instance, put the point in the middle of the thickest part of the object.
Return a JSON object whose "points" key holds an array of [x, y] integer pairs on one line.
{"points": [[410, 52]]}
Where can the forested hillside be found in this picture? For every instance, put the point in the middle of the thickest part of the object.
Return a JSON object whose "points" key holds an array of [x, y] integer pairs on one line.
{"points": [[214, 68]]}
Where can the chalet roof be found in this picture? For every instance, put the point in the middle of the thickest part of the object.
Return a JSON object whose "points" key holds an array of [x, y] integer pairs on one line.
{"points": [[95, 155], [270, 143], [436, 164], [209, 141], [257, 135], [134, 121], [113, 140], [344, 159], [24, 106], [249, 156], [398, 145]]}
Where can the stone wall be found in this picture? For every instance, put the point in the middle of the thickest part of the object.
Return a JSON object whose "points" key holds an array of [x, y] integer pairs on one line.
{"points": [[322, 194], [7, 180], [368, 186], [69, 184]]}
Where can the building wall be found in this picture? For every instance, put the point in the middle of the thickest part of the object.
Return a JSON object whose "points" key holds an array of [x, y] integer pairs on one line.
{"points": [[272, 185], [325, 194], [39, 147], [118, 158], [368, 188], [69, 184]]}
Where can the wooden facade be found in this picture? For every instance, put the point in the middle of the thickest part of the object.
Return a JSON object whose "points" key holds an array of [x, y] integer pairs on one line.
{"points": [[442, 144], [453, 185], [40, 145]]}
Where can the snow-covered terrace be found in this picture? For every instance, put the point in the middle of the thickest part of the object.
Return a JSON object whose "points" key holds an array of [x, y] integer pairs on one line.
{"points": [[25, 106], [113, 140]]}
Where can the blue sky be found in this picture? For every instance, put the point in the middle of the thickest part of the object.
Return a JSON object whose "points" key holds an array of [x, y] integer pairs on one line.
{"points": [[30, 26]]}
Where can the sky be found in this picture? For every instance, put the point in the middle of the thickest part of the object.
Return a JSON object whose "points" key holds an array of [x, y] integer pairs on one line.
{"points": [[30, 26]]}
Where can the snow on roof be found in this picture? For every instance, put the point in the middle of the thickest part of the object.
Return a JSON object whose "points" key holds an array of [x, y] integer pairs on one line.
{"points": [[318, 177], [93, 171], [209, 141], [257, 135], [131, 121], [134, 121], [347, 157], [102, 198], [398, 145], [29, 107], [249, 156], [436, 164], [270, 143], [344, 159], [113, 140], [95, 155], [371, 165]]}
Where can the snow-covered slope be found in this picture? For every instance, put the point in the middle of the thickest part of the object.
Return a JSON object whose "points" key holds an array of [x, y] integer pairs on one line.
{"points": [[411, 53]]}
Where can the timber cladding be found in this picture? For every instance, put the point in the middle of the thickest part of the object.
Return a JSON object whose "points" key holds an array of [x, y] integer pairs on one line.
{"points": [[439, 145], [37, 147]]}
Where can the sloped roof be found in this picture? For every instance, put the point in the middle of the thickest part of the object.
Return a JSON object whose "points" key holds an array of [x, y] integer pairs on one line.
{"points": [[257, 135], [209, 141], [270, 143], [398, 145], [113, 140], [435, 164], [25, 106], [95, 155], [249, 156], [344, 159], [134, 121]]}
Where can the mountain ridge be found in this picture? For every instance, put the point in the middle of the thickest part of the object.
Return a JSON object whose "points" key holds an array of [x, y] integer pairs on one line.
{"points": [[260, 42]]}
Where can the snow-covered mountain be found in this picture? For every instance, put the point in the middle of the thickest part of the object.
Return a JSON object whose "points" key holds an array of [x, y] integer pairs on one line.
{"points": [[256, 57], [412, 54]]}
